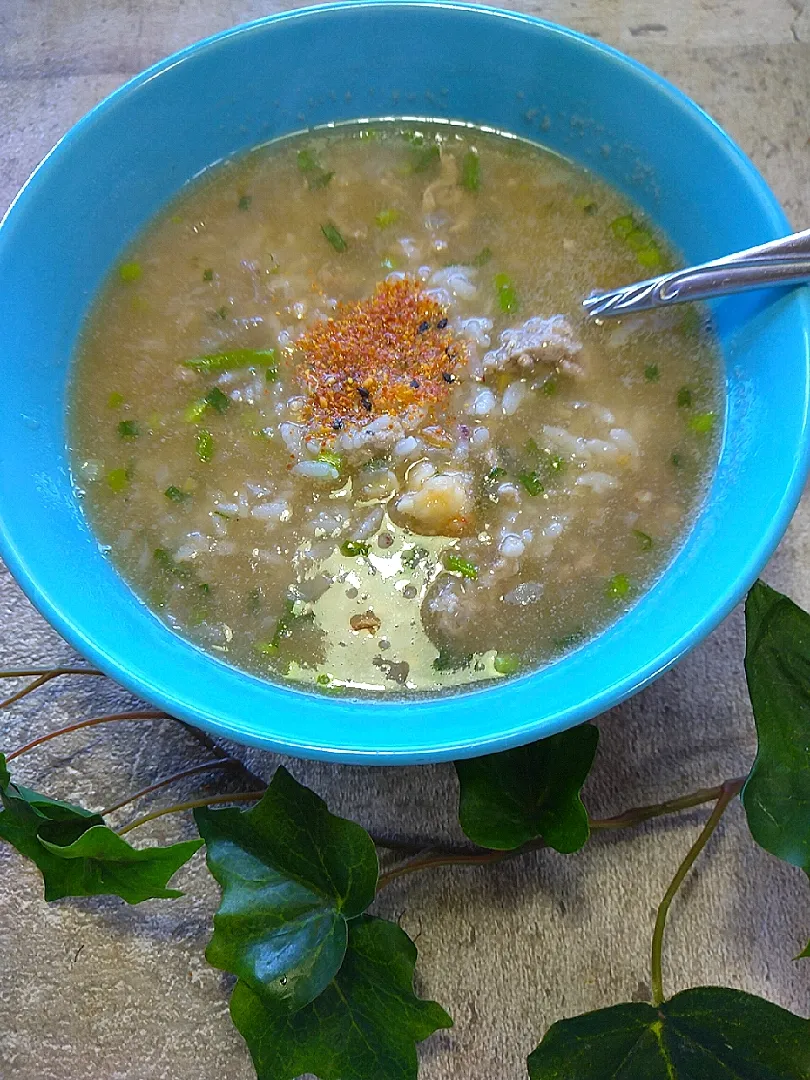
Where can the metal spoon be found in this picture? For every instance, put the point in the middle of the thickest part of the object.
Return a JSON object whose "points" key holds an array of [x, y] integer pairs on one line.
{"points": [[779, 262]]}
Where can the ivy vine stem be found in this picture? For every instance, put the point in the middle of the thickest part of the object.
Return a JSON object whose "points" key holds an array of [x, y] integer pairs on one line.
{"points": [[92, 722], [191, 804], [728, 791], [194, 770], [43, 676]]}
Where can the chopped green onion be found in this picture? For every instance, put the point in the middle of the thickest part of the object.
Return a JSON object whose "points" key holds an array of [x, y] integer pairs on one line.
{"points": [[195, 411], [130, 271], [621, 227], [471, 171], [352, 548], [232, 358], [495, 473], [532, 447], [208, 274], [702, 423], [461, 566], [550, 386], [651, 373], [205, 445], [271, 371], [221, 312], [331, 458], [586, 204], [245, 201], [507, 296], [323, 679], [128, 429], [649, 256], [265, 648], [385, 218], [618, 586], [317, 176], [118, 480], [334, 237], [531, 482], [684, 398], [424, 158], [637, 238], [216, 400], [176, 494], [483, 257], [506, 664], [645, 541], [676, 459], [557, 463], [115, 400]]}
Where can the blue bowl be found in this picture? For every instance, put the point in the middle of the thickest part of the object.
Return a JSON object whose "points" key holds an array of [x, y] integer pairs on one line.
{"points": [[130, 155]]}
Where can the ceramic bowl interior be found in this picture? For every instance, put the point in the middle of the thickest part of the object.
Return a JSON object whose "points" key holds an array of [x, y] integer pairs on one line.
{"points": [[122, 163]]}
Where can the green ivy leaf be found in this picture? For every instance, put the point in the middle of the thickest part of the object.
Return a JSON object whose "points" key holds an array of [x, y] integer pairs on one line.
{"points": [[78, 855], [776, 795], [708, 1033], [292, 874], [533, 791], [364, 1025]]}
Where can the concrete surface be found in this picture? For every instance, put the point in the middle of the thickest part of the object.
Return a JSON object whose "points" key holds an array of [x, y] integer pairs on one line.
{"points": [[98, 991]]}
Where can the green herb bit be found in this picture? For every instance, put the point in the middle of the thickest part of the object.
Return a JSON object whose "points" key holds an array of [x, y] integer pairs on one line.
{"points": [[216, 400], [271, 371], [128, 429], [651, 373], [450, 661], [115, 400], [556, 463], [331, 458], [424, 158], [317, 176], [496, 473], [483, 257], [532, 447], [118, 480], [550, 386], [649, 256], [130, 271], [208, 274], [245, 201], [507, 295], [334, 237], [221, 312], [265, 648], [350, 549], [621, 227], [531, 482], [176, 494], [412, 557], [323, 679], [684, 398], [205, 445], [231, 359], [703, 423], [638, 239], [506, 663], [461, 566], [390, 263], [386, 218], [166, 562], [676, 460], [471, 171], [194, 412], [618, 586], [645, 541]]}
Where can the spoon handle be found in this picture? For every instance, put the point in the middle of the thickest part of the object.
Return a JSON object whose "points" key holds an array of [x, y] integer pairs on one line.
{"points": [[779, 262]]}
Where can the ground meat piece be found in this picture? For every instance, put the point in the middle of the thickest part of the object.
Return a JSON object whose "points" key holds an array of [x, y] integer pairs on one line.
{"points": [[368, 621], [539, 340]]}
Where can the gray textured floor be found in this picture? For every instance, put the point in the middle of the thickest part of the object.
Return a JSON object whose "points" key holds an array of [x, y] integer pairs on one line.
{"points": [[98, 991]]}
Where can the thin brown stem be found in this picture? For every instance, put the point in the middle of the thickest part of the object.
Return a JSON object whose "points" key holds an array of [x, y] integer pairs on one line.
{"points": [[21, 673], [728, 791], [192, 804], [194, 770], [435, 858], [92, 722], [42, 678], [639, 814]]}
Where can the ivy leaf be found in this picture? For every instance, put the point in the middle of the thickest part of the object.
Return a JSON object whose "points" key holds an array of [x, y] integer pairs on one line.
{"points": [[776, 795], [364, 1025], [510, 798], [292, 874], [78, 855], [708, 1033]]}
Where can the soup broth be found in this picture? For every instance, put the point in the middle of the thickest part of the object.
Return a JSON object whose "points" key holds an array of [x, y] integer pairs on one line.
{"points": [[339, 419]]}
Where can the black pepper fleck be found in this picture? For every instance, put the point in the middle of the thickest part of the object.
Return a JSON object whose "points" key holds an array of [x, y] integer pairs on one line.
{"points": [[440, 325], [415, 384], [423, 327], [448, 377]]}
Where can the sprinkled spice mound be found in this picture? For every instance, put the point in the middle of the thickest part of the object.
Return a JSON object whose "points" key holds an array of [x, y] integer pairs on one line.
{"points": [[388, 355]]}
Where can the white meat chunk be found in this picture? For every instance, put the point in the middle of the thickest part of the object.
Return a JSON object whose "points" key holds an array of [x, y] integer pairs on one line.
{"points": [[549, 341]]}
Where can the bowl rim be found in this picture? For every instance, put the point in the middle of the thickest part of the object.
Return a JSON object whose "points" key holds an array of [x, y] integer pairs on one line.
{"points": [[507, 734]]}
